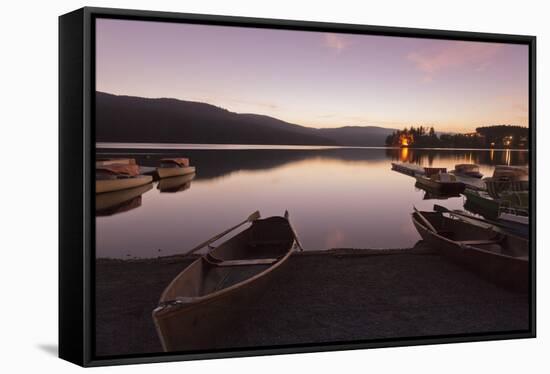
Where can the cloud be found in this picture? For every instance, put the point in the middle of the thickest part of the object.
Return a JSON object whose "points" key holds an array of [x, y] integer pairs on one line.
{"points": [[337, 42], [479, 56]]}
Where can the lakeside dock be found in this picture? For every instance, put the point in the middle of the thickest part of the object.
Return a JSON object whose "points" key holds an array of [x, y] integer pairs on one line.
{"points": [[413, 170], [318, 296]]}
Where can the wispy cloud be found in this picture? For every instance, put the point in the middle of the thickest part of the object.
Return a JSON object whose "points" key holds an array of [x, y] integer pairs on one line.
{"points": [[336, 41], [478, 56]]}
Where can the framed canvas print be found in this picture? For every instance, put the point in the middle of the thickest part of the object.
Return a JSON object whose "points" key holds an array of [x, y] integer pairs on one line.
{"points": [[234, 186]]}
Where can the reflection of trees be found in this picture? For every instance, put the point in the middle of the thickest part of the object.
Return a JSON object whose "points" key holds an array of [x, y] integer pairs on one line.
{"points": [[484, 157]]}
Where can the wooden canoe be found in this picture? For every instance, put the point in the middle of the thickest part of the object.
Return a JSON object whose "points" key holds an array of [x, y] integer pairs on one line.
{"points": [[498, 257], [204, 302], [167, 172], [116, 184]]}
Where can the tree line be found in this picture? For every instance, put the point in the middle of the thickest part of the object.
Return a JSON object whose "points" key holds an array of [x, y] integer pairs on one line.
{"points": [[499, 136]]}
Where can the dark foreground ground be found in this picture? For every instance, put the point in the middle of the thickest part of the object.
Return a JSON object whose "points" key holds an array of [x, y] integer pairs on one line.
{"points": [[339, 295]]}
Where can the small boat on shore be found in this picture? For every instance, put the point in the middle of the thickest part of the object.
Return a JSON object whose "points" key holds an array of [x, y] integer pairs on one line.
{"points": [[467, 170], [203, 300], [441, 182], [173, 167], [119, 176], [496, 256]]}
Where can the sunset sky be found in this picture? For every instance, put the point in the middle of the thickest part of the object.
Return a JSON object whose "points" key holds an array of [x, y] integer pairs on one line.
{"points": [[318, 79]]}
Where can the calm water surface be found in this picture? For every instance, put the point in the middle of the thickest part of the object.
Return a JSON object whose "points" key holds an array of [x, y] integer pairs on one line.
{"points": [[337, 197]]}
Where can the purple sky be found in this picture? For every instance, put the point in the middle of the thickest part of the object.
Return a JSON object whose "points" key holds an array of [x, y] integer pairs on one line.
{"points": [[318, 79]]}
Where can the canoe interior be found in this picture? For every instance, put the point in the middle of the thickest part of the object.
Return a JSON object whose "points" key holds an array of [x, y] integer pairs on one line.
{"points": [[269, 240], [460, 231]]}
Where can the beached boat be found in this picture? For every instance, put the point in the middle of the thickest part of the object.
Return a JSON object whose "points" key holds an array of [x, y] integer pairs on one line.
{"points": [[496, 256], [110, 203], [441, 182], [203, 301], [467, 170], [115, 177], [173, 167], [176, 184]]}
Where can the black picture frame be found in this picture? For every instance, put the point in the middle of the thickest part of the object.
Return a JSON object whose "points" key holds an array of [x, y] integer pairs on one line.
{"points": [[76, 190]]}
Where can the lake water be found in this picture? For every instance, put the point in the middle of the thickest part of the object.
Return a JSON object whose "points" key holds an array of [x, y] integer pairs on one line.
{"points": [[336, 197]]}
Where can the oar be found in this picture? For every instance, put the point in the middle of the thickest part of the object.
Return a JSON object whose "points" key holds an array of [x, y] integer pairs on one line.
{"points": [[251, 218], [430, 226]]}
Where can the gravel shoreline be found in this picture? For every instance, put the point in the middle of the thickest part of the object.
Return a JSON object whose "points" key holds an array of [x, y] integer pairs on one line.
{"points": [[316, 297]]}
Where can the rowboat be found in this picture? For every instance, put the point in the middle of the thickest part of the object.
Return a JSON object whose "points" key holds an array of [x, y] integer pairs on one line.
{"points": [[496, 256], [434, 194], [110, 203], [467, 170], [441, 182], [203, 300], [173, 167], [115, 177], [114, 161], [175, 184]]}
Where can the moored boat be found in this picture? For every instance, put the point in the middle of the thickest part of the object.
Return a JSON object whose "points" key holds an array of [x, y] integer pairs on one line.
{"points": [[496, 256], [441, 182], [467, 170], [483, 203], [115, 177], [114, 161], [110, 203], [203, 300], [173, 167], [176, 184]]}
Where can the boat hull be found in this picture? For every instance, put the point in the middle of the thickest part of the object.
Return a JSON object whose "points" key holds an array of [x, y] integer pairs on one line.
{"points": [[444, 187], [109, 185], [110, 203], [174, 172], [225, 295], [503, 270]]}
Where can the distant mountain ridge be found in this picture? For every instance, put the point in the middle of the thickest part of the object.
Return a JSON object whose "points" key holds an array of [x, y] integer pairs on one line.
{"points": [[138, 119]]}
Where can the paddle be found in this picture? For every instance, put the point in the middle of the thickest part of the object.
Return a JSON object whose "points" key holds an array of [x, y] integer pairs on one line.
{"points": [[251, 218], [430, 226]]}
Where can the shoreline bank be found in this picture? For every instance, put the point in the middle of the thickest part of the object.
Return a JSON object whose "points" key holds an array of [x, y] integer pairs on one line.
{"points": [[317, 296]]}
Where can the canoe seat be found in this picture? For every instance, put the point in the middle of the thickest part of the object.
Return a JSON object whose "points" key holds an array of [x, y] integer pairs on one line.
{"points": [[254, 261], [258, 243]]}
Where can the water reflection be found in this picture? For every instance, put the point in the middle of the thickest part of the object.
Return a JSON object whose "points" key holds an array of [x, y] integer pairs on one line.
{"points": [[336, 197]]}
